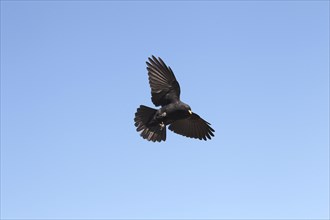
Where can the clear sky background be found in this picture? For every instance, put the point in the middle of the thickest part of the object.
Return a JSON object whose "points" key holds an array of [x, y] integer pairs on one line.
{"points": [[73, 74]]}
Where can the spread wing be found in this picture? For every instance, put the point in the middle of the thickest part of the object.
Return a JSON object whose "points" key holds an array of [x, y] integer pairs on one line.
{"points": [[164, 87], [193, 127]]}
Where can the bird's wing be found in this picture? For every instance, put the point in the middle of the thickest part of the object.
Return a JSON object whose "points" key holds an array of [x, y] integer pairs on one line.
{"points": [[164, 87], [193, 127]]}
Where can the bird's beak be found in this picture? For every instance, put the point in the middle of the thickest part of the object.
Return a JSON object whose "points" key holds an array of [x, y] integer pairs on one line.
{"points": [[190, 112]]}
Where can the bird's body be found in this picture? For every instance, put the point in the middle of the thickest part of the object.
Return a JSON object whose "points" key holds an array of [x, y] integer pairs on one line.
{"points": [[170, 113], [165, 92]]}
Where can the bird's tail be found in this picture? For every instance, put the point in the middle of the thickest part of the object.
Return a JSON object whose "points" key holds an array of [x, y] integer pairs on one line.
{"points": [[151, 132]]}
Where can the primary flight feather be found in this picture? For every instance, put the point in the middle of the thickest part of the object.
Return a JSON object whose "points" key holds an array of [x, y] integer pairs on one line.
{"points": [[165, 92]]}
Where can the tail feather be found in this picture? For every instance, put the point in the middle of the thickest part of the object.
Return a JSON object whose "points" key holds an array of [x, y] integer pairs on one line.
{"points": [[142, 118]]}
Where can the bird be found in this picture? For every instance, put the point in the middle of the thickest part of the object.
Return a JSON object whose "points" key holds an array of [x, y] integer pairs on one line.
{"points": [[177, 115]]}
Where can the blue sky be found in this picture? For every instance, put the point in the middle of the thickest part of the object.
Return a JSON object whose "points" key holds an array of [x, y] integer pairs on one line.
{"points": [[73, 74]]}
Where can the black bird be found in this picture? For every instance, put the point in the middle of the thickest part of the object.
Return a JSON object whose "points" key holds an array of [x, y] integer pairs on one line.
{"points": [[165, 92]]}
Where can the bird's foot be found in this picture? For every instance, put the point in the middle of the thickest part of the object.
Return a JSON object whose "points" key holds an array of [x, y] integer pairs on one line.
{"points": [[162, 125], [163, 114], [160, 116]]}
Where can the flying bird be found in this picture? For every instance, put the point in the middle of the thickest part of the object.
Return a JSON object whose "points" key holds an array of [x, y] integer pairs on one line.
{"points": [[165, 92]]}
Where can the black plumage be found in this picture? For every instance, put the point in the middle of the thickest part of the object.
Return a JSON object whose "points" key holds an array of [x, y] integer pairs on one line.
{"points": [[165, 92]]}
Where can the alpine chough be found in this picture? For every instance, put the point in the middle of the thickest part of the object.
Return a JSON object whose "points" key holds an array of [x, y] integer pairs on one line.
{"points": [[165, 92]]}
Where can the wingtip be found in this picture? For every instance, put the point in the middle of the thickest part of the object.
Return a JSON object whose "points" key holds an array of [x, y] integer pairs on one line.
{"points": [[152, 57], [151, 60]]}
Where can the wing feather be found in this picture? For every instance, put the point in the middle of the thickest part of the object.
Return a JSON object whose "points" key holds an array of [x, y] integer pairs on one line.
{"points": [[165, 88], [193, 127]]}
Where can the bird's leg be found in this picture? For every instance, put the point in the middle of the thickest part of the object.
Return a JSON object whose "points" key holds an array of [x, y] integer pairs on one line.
{"points": [[159, 117]]}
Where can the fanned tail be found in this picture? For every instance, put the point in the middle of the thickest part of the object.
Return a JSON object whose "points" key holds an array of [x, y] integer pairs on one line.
{"points": [[142, 118]]}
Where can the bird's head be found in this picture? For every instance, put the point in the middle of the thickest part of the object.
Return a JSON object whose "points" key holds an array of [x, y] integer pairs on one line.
{"points": [[188, 109]]}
